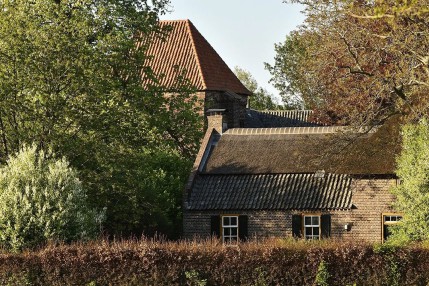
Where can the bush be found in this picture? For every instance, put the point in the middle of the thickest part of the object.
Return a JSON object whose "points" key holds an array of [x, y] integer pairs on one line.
{"points": [[42, 199], [148, 262], [412, 195]]}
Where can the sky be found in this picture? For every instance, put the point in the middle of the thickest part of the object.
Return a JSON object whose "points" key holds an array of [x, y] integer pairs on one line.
{"points": [[243, 32]]}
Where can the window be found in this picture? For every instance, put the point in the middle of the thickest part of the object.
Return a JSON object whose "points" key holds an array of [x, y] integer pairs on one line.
{"points": [[312, 226], [230, 229], [389, 220]]}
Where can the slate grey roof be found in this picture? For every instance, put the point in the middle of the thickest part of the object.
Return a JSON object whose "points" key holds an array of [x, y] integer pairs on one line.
{"points": [[280, 118], [270, 192]]}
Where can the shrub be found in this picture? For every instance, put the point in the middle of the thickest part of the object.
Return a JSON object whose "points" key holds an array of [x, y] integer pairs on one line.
{"points": [[413, 192], [322, 275], [148, 262], [42, 199]]}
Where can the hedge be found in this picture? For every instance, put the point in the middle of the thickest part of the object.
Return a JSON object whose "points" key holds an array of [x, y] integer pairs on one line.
{"points": [[147, 262]]}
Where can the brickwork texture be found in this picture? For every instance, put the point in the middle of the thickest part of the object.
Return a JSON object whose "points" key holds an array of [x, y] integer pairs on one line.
{"points": [[371, 199]]}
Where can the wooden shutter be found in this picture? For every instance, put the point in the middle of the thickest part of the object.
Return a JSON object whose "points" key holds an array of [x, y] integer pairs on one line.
{"points": [[297, 225], [326, 225], [215, 226], [243, 232]]}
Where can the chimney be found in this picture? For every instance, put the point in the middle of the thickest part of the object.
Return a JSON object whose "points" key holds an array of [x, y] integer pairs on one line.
{"points": [[215, 120]]}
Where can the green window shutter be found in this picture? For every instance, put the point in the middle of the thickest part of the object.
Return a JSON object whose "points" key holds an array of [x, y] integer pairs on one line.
{"points": [[215, 226], [297, 225], [243, 232], [326, 225]]}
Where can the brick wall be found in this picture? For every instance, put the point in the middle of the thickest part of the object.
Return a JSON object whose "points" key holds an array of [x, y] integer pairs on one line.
{"points": [[234, 104], [371, 198]]}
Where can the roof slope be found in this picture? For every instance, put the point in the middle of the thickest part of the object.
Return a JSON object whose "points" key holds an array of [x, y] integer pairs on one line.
{"points": [[305, 150], [271, 192], [185, 48], [280, 118]]}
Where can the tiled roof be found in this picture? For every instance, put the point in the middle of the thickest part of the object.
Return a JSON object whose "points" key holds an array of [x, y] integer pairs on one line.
{"points": [[281, 118], [185, 48], [271, 192], [305, 150]]}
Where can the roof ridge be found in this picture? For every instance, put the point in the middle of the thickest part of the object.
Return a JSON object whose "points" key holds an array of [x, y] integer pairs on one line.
{"points": [[189, 26], [299, 130], [174, 20]]}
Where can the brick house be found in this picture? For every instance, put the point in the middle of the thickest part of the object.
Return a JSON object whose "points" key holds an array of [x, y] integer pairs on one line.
{"points": [[311, 182], [184, 49], [274, 173]]}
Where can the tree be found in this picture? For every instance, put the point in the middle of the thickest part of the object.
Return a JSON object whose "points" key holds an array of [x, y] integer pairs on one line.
{"points": [[412, 195], [71, 80], [364, 65], [288, 75], [261, 99], [42, 199]]}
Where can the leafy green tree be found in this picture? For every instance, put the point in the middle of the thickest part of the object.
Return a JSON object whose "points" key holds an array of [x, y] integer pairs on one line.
{"points": [[72, 79], [261, 99], [413, 192], [288, 75], [41, 199]]}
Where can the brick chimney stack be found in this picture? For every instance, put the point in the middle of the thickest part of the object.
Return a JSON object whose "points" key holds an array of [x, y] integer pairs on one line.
{"points": [[216, 120]]}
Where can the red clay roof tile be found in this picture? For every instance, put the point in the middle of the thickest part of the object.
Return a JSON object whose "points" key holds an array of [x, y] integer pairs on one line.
{"points": [[185, 48]]}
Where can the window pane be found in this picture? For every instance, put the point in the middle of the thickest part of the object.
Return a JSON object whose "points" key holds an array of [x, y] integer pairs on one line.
{"points": [[387, 218], [308, 231], [234, 231], [315, 231], [226, 231], [386, 232], [315, 220], [307, 220], [226, 220], [233, 220]]}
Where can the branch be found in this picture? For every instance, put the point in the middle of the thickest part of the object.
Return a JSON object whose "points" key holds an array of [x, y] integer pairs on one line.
{"points": [[357, 70], [371, 16], [3, 135], [417, 82], [399, 90]]}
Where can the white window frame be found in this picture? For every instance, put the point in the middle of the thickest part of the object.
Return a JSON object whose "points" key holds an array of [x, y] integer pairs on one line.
{"points": [[313, 226], [229, 229], [394, 219]]}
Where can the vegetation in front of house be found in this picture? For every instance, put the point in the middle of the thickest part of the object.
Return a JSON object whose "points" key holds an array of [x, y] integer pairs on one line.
{"points": [[275, 262], [412, 194], [71, 79], [42, 199]]}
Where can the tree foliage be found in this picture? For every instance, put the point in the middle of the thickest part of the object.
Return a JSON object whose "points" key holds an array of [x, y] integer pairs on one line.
{"points": [[413, 192], [362, 62], [71, 79], [287, 73], [261, 99], [41, 199]]}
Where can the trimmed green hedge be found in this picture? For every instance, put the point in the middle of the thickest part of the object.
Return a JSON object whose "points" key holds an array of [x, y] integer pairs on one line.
{"points": [[209, 263]]}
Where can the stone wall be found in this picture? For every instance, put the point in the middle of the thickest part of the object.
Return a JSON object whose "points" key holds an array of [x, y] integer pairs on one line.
{"points": [[371, 199]]}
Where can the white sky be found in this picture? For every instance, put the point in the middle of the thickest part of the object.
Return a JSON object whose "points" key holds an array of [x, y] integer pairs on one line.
{"points": [[242, 32]]}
